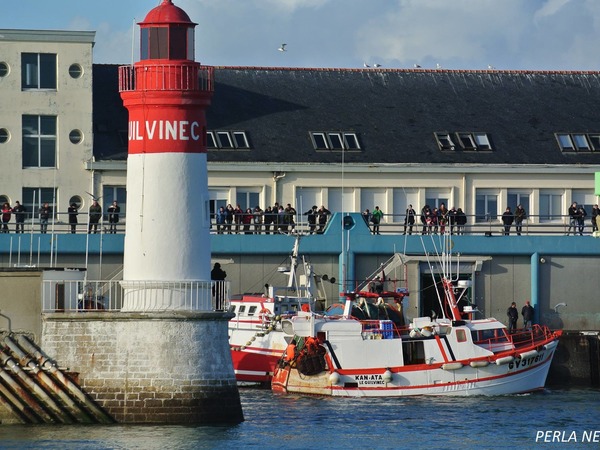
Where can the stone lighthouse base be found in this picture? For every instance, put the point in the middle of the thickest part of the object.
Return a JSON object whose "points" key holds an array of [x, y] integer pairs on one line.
{"points": [[170, 367]]}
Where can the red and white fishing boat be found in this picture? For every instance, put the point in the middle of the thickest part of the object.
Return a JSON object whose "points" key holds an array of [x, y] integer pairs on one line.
{"points": [[376, 357], [256, 339]]}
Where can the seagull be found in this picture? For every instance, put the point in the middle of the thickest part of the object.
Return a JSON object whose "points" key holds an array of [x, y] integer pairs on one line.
{"points": [[366, 65], [93, 196], [416, 66], [558, 306], [438, 66], [282, 48], [376, 65], [490, 67]]}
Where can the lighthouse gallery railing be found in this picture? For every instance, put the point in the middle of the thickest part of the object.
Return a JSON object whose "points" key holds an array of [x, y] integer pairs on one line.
{"points": [[166, 77]]}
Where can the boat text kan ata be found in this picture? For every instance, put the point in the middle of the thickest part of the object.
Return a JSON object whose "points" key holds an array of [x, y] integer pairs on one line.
{"points": [[350, 355]]}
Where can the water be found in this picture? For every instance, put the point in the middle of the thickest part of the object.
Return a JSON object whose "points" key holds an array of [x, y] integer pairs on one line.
{"points": [[290, 422]]}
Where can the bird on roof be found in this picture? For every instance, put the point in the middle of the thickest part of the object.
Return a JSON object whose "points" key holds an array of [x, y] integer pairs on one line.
{"points": [[416, 66], [438, 66], [490, 67], [376, 65], [282, 48], [366, 65]]}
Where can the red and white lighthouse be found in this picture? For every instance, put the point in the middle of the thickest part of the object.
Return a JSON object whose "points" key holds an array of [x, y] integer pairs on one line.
{"points": [[167, 232]]}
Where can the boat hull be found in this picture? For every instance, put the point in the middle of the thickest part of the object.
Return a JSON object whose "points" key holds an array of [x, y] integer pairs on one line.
{"points": [[523, 374]]}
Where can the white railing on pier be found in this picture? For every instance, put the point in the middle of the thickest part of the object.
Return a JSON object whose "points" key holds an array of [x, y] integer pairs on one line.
{"points": [[147, 296]]}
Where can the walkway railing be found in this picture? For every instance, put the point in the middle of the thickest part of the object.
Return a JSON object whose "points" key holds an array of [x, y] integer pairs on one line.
{"points": [[113, 296], [391, 224]]}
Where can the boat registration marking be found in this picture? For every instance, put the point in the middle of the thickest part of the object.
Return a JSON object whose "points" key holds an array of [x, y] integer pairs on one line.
{"points": [[522, 363]]}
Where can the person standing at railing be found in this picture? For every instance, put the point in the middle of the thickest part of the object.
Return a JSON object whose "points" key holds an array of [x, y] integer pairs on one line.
{"points": [[324, 214], [507, 220], [113, 216], [581, 215], [247, 218], [409, 219], [527, 313], [238, 215], [6, 215], [257, 214], [95, 214], [19, 212], [595, 218], [520, 216], [220, 219], [452, 219], [312, 219], [269, 218], [376, 217], [229, 217], [425, 219], [513, 316], [573, 222], [73, 212], [45, 212], [217, 274], [461, 221]]}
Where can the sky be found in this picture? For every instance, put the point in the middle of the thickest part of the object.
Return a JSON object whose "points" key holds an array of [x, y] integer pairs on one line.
{"points": [[451, 34]]}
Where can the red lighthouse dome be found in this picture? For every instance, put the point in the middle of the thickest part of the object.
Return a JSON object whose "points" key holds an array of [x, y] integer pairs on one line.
{"points": [[165, 13]]}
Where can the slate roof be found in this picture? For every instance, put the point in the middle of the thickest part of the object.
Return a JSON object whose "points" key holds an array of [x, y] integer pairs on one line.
{"points": [[394, 112]]}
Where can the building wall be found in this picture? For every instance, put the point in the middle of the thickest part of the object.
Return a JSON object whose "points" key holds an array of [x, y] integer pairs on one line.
{"points": [[21, 301], [70, 102]]}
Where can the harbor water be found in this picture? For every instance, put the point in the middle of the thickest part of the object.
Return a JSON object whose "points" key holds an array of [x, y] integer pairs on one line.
{"points": [[553, 418]]}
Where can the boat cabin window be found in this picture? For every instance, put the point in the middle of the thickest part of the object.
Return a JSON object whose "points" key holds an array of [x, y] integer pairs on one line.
{"points": [[461, 336], [495, 335], [242, 309], [252, 310], [414, 352]]}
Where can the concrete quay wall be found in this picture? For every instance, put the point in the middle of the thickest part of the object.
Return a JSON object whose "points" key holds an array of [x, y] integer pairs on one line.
{"points": [[149, 368]]}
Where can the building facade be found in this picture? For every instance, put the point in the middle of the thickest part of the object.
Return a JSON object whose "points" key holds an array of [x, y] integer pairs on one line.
{"points": [[46, 123]]}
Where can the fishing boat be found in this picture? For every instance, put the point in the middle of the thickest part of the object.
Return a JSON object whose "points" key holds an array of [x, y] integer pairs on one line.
{"points": [[457, 354], [256, 339]]}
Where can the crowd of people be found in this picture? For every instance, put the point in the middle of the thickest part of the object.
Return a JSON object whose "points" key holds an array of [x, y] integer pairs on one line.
{"points": [[275, 219], [44, 214]]}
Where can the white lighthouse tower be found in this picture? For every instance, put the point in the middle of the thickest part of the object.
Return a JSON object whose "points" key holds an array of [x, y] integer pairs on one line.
{"points": [[167, 230]]}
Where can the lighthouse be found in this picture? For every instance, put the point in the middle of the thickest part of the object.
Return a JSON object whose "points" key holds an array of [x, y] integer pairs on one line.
{"points": [[170, 338]]}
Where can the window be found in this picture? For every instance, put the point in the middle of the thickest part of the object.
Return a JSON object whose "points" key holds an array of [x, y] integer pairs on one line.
{"points": [[578, 142], [323, 140], [550, 206], [3, 69], [444, 140], [227, 140], [517, 198], [77, 201], [247, 199], [486, 207], [461, 335], [75, 71], [467, 140], [482, 141], [34, 198], [39, 141], [38, 71], [4, 135], [224, 139], [112, 193], [217, 198], [75, 136]]}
